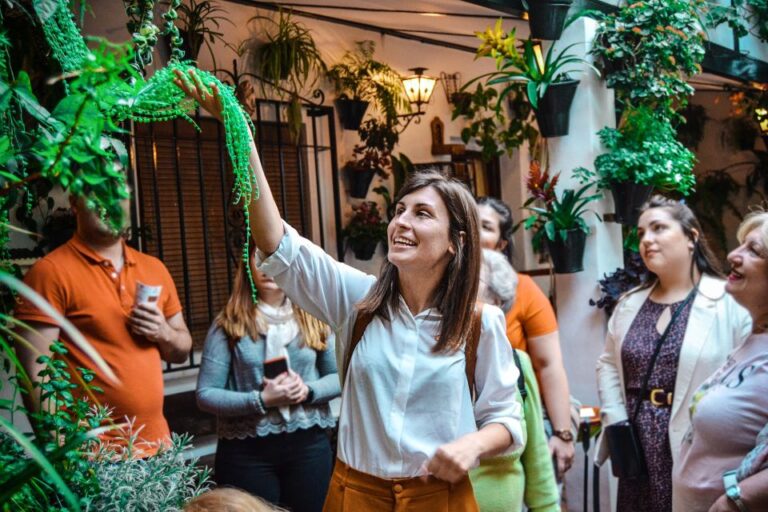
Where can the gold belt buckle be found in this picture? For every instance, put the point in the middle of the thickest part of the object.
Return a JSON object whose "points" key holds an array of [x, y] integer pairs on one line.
{"points": [[664, 400]]}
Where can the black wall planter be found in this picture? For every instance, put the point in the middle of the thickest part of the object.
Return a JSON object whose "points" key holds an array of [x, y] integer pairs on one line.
{"points": [[359, 181], [351, 112], [547, 17], [628, 197], [568, 256], [554, 112], [364, 250]]}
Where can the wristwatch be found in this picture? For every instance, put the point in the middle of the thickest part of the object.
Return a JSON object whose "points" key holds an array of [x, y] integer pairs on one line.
{"points": [[732, 490], [564, 435], [310, 395]]}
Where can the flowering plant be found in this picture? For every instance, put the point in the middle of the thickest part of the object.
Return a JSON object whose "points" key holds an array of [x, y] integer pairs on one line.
{"points": [[366, 228], [523, 63], [552, 215], [648, 50]]}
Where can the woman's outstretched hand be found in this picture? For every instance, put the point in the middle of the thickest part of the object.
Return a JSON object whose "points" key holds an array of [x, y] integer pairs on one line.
{"points": [[207, 96]]}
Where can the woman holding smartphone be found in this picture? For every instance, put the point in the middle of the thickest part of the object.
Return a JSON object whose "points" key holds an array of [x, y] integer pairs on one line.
{"points": [[268, 372], [430, 386]]}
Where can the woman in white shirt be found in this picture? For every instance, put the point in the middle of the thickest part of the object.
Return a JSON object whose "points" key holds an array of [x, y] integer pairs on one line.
{"points": [[409, 429]]}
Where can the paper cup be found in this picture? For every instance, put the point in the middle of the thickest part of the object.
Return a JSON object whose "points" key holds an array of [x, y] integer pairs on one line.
{"points": [[146, 293]]}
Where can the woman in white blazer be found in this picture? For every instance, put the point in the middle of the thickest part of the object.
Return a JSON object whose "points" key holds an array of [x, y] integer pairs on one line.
{"points": [[685, 276]]}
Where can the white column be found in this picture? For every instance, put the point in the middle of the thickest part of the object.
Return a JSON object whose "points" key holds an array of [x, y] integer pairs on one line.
{"points": [[582, 327]]}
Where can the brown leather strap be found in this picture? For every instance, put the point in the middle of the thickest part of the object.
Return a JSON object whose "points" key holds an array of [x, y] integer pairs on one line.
{"points": [[470, 351], [361, 324]]}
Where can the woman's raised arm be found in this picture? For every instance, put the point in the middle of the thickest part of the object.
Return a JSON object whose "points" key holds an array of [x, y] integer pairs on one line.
{"points": [[268, 230]]}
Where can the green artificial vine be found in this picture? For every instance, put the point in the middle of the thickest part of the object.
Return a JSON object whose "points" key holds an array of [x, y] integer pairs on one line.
{"points": [[62, 34], [104, 89]]}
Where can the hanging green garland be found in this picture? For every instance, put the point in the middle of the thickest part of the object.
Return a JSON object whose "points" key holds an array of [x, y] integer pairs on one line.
{"points": [[62, 34], [159, 99]]}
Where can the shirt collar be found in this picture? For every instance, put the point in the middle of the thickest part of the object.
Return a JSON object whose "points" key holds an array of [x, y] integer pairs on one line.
{"points": [[80, 246]]}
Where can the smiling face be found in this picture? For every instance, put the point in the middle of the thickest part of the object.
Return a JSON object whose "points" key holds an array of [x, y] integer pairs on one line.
{"points": [[664, 246], [418, 234], [748, 278], [490, 228]]}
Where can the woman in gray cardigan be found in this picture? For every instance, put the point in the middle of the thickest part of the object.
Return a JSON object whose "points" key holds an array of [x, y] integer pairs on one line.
{"points": [[272, 440]]}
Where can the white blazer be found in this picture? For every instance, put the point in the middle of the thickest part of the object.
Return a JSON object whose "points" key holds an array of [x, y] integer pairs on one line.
{"points": [[716, 326]]}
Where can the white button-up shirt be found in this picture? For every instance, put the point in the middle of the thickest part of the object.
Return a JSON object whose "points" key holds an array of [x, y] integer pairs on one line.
{"points": [[401, 401]]}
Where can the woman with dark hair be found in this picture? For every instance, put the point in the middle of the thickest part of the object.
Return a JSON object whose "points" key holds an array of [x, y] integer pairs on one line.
{"points": [[428, 376], [271, 424], [717, 472], [651, 366], [532, 327]]}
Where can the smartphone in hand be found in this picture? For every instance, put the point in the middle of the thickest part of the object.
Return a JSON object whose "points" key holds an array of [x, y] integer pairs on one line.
{"points": [[273, 368]]}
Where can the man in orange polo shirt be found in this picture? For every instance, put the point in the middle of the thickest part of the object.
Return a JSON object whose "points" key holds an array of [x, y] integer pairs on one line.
{"points": [[91, 280]]}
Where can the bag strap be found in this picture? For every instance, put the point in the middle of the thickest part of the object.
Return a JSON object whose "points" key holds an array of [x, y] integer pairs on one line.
{"points": [[656, 351], [361, 324], [520, 378], [470, 351]]}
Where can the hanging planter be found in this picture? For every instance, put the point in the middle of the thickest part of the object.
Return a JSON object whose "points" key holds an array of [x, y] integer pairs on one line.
{"points": [[359, 181], [351, 112], [365, 250], [553, 113], [568, 255], [546, 18], [628, 197]]}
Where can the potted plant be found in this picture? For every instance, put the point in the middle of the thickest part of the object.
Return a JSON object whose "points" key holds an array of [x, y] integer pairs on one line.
{"points": [[371, 156], [613, 286], [286, 59], [365, 230], [549, 87], [493, 130], [649, 50], [546, 18], [360, 80], [558, 221], [402, 167], [199, 23], [643, 154]]}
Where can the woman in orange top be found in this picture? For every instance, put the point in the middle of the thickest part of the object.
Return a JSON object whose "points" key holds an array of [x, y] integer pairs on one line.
{"points": [[532, 327]]}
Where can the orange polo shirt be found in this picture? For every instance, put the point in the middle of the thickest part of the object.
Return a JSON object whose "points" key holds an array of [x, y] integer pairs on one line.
{"points": [[531, 315], [85, 288]]}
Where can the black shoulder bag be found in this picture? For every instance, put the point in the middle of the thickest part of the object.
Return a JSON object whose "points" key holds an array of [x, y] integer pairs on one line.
{"points": [[627, 457]]}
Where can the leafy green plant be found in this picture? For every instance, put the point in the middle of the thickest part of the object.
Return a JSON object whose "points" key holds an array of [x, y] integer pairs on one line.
{"points": [[644, 149], [377, 139], [63, 465], [553, 216], [493, 130], [164, 482], [648, 50], [288, 55], [287, 62], [365, 227], [199, 23], [359, 76], [523, 63], [402, 167], [742, 16]]}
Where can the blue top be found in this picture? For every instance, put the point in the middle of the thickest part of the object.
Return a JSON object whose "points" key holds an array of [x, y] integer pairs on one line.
{"points": [[230, 381]]}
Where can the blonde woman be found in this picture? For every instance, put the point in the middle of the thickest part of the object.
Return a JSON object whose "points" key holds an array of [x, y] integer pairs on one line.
{"points": [[272, 440]]}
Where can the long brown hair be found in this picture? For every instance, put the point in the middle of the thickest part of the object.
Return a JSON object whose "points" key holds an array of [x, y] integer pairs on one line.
{"points": [[240, 316], [702, 259], [457, 291]]}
